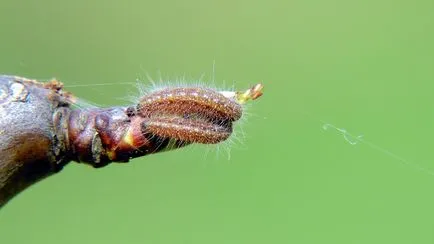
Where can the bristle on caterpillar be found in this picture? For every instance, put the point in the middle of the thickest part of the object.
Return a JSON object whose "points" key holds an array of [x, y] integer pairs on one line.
{"points": [[193, 114]]}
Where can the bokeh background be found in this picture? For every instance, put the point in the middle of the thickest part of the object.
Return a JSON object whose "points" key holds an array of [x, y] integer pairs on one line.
{"points": [[363, 66]]}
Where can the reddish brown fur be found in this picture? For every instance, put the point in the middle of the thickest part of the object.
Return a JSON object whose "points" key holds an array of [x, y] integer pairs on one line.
{"points": [[192, 115], [187, 130], [203, 102]]}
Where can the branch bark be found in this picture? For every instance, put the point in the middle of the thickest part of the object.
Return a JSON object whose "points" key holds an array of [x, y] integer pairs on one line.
{"points": [[29, 148]]}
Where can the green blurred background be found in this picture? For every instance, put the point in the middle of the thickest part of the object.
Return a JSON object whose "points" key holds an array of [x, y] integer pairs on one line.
{"points": [[366, 66]]}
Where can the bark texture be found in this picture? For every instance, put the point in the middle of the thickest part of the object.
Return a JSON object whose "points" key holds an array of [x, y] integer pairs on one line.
{"points": [[29, 147]]}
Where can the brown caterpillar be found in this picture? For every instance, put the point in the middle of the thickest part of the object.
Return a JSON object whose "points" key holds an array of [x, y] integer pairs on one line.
{"points": [[193, 114], [186, 101], [187, 130]]}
